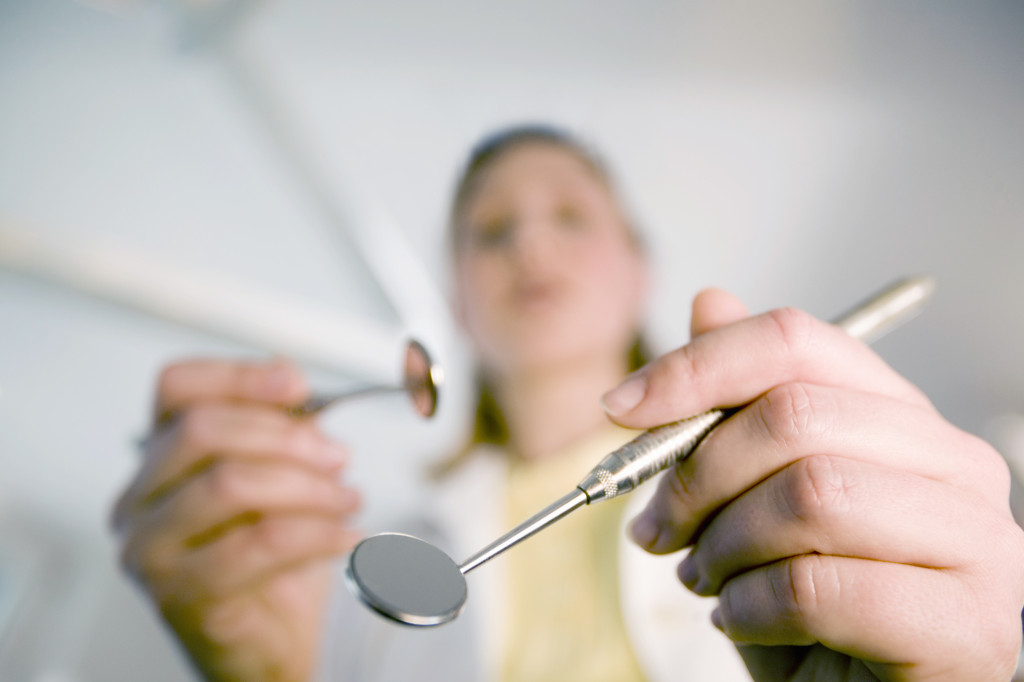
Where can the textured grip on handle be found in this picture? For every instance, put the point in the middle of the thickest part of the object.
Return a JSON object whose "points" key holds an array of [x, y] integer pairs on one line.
{"points": [[647, 455]]}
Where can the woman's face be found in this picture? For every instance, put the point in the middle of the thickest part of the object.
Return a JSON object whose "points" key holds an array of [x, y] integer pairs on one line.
{"points": [[546, 270]]}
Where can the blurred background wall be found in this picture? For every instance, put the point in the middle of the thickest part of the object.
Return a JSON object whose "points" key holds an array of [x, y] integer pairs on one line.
{"points": [[298, 156]]}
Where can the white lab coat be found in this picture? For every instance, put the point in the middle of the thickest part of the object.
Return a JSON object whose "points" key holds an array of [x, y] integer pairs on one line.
{"points": [[669, 627]]}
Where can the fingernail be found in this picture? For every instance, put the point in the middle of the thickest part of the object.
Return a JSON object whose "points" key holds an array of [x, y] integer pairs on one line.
{"points": [[687, 572], [644, 529], [625, 397], [716, 619]]}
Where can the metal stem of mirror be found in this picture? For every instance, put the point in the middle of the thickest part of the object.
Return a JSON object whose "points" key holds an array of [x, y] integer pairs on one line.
{"points": [[422, 379]]}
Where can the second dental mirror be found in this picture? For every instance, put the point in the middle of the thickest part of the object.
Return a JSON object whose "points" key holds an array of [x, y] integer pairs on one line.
{"points": [[422, 379]]}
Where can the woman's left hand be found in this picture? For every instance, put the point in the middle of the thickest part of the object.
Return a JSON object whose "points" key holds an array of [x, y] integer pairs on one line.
{"points": [[849, 531]]}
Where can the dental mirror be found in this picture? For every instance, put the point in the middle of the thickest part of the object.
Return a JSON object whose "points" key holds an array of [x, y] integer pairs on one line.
{"points": [[406, 579], [422, 379], [410, 581]]}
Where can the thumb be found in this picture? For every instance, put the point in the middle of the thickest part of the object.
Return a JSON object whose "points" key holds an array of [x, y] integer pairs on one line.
{"points": [[713, 308]]}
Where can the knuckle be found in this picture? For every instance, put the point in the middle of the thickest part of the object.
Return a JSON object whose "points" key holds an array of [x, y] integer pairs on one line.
{"points": [[810, 582], [991, 466], [1006, 643], [1009, 555], [1001, 480], [683, 367], [994, 611], [274, 536], [982, 468], [787, 413], [1009, 644], [816, 489], [795, 328], [198, 428], [228, 484], [993, 642]]}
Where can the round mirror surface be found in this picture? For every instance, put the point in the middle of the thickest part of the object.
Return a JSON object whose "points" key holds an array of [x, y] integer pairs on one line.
{"points": [[406, 579]]}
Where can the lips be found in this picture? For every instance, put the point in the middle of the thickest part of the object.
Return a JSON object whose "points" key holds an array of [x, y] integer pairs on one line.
{"points": [[531, 294]]}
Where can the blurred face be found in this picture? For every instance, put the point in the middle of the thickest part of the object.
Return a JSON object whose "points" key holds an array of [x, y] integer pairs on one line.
{"points": [[546, 270]]}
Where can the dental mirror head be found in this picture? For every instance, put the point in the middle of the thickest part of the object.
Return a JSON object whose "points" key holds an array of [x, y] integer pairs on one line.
{"points": [[422, 379], [406, 579]]}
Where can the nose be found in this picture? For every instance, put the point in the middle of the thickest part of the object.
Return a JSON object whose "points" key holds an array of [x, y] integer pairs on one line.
{"points": [[533, 244]]}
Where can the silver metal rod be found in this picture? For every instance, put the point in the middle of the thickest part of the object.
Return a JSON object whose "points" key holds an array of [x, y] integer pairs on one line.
{"points": [[568, 504], [887, 309], [321, 401]]}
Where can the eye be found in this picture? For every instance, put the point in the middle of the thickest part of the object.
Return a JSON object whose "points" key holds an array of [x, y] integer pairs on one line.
{"points": [[569, 216], [492, 234]]}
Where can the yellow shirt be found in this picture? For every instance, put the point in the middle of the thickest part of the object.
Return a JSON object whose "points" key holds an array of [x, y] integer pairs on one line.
{"points": [[563, 584]]}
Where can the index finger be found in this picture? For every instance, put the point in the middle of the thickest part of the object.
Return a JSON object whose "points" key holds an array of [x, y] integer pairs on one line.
{"points": [[732, 365], [182, 384]]}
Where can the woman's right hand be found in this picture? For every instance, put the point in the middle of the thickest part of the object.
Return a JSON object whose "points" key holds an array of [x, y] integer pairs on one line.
{"points": [[233, 517]]}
